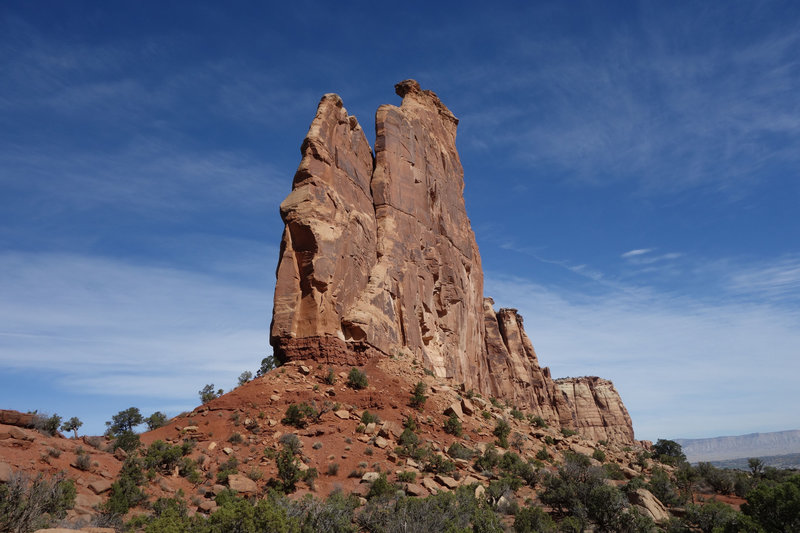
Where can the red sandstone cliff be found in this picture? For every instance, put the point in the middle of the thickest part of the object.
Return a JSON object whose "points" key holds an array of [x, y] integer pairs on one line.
{"points": [[378, 257]]}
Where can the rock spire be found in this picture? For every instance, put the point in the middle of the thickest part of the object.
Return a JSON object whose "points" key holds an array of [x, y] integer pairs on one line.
{"points": [[378, 258]]}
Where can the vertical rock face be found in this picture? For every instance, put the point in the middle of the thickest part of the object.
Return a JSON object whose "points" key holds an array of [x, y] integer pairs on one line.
{"points": [[378, 257], [598, 412]]}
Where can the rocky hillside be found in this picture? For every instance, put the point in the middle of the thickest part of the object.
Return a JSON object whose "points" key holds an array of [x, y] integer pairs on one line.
{"points": [[347, 436], [378, 259]]}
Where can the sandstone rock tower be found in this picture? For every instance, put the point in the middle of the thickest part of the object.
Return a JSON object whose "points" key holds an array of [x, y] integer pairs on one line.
{"points": [[378, 257]]}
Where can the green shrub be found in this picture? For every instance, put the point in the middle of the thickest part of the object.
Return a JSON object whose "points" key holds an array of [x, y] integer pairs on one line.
{"points": [[407, 476], [156, 420], [542, 454], [438, 464], [537, 421], [567, 432], [668, 452], [288, 470], [231, 466], [381, 487], [72, 425], [418, 397], [28, 504], [299, 415], [125, 491], [501, 431], [453, 426], [236, 438], [291, 442], [488, 460], [333, 469], [599, 455], [613, 471], [534, 520], [459, 451], [357, 379], [330, 377], [244, 377], [486, 415], [369, 418], [517, 414], [207, 393]]}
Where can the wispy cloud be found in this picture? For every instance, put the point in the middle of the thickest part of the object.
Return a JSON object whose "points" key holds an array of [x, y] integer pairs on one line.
{"points": [[107, 328], [634, 253], [779, 279]]}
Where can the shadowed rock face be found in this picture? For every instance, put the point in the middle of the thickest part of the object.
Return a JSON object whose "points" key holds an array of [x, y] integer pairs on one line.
{"points": [[378, 258]]}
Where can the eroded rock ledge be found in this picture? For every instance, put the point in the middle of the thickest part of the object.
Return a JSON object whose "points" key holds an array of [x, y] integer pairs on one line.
{"points": [[378, 257]]}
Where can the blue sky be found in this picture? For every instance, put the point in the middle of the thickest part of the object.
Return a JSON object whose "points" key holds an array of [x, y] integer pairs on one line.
{"points": [[631, 174]]}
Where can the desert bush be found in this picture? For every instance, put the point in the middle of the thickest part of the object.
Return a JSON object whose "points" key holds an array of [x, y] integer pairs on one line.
{"points": [[459, 451], [775, 505], [47, 425], [125, 491], [330, 377], [599, 455], [567, 432], [407, 476], [291, 442], [534, 520], [453, 426], [236, 438], [613, 471], [208, 393], [244, 377], [501, 431], [288, 470], [72, 425], [156, 420], [488, 460], [28, 504], [418, 397], [299, 415], [381, 487], [267, 364], [438, 464], [368, 418], [542, 454], [447, 511], [668, 452], [537, 421], [231, 466], [83, 461], [357, 379], [517, 414], [333, 469]]}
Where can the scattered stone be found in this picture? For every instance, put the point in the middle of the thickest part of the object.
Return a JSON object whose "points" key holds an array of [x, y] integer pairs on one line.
{"points": [[100, 486], [227, 450], [431, 485], [370, 477], [242, 484], [447, 481], [380, 442], [649, 504], [413, 489], [480, 492], [454, 409], [275, 398], [305, 370], [120, 454], [208, 506], [370, 429], [344, 414], [467, 407], [5, 472], [212, 446]]}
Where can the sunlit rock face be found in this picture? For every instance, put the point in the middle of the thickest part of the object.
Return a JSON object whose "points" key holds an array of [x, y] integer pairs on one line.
{"points": [[378, 257]]}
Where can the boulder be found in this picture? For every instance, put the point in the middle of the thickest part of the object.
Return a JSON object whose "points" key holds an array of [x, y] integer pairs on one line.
{"points": [[242, 484], [651, 506]]}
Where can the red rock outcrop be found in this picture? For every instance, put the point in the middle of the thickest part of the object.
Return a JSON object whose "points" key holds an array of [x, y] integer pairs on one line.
{"points": [[598, 411], [378, 257]]}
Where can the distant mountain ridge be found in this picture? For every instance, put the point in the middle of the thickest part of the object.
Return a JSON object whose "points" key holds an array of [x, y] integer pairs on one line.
{"points": [[741, 446]]}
